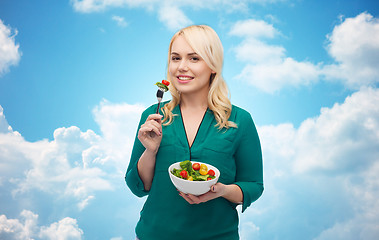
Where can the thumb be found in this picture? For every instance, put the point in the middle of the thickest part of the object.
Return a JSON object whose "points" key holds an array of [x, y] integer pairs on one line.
{"points": [[214, 188]]}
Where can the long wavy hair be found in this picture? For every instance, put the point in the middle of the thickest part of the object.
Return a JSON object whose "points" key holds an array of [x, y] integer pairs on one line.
{"points": [[205, 42]]}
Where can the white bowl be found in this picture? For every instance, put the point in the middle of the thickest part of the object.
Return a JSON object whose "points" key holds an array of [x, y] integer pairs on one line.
{"points": [[193, 187]]}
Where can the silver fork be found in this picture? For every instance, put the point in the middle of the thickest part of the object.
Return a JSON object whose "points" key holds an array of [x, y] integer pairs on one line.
{"points": [[159, 97]]}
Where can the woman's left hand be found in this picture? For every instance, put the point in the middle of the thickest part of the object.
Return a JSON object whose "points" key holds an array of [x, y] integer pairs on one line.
{"points": [[216, 191]]}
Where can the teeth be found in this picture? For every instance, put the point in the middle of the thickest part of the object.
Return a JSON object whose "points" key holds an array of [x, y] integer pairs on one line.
{"points": [[184, 78]]}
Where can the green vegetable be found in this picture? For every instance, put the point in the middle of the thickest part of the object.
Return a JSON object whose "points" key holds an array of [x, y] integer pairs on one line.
{"points": [[161, 85], [187, 165], [176, 172], [201, 178]]}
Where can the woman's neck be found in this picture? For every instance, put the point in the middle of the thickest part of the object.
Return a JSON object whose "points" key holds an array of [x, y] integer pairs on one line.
{"points": [[194, 101]]}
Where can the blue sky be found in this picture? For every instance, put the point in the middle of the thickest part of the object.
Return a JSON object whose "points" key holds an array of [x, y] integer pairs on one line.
{"points": [[75, 76]]}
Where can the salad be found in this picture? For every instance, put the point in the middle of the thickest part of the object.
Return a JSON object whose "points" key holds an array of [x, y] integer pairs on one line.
{"points": [[193, 172], [163, 86]]}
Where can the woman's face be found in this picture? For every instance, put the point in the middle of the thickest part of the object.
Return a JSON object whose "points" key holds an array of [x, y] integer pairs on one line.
{"points": [[189, 72]]}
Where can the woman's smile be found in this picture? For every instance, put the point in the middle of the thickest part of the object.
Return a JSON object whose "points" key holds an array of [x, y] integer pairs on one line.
{"points": [[184, 79]]}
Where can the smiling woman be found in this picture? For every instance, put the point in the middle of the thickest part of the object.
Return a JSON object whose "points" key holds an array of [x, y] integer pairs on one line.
{"points": [[199, 124]]}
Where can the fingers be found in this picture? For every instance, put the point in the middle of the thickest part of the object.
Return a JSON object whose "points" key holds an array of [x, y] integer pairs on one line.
{"points": [[156, 117], [152, 124], [191, 199], [216, 191]]}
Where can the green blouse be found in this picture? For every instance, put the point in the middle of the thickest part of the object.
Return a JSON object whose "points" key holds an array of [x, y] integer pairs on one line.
{"points": [[236, 152]]}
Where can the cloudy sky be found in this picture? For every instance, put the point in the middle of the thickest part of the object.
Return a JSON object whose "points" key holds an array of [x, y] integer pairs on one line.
{"points": [[75, 76]]}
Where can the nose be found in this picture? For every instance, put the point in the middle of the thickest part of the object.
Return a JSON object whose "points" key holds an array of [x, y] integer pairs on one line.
{"points": [[183, 66]]}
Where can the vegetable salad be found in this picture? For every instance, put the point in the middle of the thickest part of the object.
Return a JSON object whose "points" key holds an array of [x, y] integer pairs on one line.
{"points": [[163, 85], [193, 172]]}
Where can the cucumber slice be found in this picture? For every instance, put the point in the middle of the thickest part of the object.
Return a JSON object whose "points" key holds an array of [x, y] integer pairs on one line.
{"points": [[162, 86]]}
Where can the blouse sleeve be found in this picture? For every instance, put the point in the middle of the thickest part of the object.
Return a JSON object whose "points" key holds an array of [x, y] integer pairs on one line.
{"points": [[248, 156], [132, 177]]}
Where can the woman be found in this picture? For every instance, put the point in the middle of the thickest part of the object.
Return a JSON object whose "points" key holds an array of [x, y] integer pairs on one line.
{"points": [[199, 124]]}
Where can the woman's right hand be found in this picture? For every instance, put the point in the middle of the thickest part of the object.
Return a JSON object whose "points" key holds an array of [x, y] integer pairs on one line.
{"points": [[150, 133]]}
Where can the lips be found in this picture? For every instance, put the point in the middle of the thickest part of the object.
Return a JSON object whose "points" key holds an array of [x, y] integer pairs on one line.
{"points": [[184, 78]]}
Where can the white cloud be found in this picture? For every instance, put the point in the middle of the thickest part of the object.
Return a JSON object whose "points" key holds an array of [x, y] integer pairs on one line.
{"points": [[85, 202], [257, 52], [173, 17], [118, 124], [249, 230], [15, 229], [343, 139], [322, 177], [9, 50], [273, 76], [13, 152], [120, 21], [27, 228], [353, 125], [76, 164], [70, 173], [364, 194], [57, 166], [65, 229], [169, 12], [267, 66], [254, 29], [4, 126], [88, 6], [354, 44]]}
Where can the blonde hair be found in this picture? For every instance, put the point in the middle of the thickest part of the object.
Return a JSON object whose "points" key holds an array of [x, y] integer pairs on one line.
{"points": [[205, 42]]}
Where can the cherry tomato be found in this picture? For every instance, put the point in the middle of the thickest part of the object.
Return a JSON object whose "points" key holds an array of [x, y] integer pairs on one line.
{"points": [[203, 166], [211, 172], [203, 171], [165, 82], [190, 178], [209, 178], [196, 166], [184, 174]]}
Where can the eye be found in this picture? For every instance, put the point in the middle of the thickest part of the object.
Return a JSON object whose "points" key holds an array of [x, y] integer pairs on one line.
{"points": [[195, 59], [175, 58]]}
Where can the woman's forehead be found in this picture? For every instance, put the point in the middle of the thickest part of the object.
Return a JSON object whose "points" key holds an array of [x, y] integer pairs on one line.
{"points": [[181, 46]]}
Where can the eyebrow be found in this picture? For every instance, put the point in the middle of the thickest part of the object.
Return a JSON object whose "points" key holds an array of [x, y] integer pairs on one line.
{"points": [[189, 54]]}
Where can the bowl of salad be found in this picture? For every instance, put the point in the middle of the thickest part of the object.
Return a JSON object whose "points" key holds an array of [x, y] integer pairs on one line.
{"points": [[195, 178]]}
